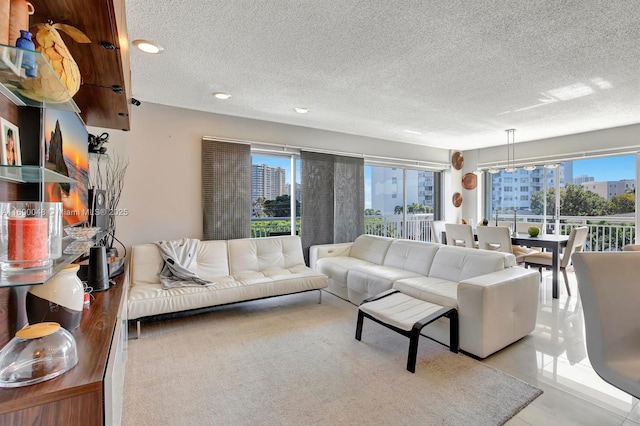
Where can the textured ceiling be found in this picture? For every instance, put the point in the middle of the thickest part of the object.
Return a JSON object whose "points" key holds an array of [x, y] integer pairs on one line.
{"points": [[455, 74]]}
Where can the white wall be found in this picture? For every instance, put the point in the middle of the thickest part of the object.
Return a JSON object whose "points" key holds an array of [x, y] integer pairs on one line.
{"points": [[599, 142], [162, 190]]}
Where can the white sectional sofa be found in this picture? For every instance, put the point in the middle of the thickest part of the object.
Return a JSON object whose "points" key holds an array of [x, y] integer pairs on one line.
{"points": [[243, 269], [497, 301]]}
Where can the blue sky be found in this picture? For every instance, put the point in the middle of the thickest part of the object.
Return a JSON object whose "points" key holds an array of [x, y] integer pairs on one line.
{"points": [[606, 168]]}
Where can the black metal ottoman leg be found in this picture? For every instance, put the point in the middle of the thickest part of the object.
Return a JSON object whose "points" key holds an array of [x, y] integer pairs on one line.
{"points": [[359, 325], [413, 350]]}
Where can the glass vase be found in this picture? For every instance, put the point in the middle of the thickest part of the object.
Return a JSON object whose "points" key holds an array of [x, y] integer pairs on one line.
{"points": [[28, 58]]}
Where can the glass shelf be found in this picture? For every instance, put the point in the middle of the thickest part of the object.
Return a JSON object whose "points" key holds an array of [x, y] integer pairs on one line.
{"points": [[32, 174], [16, 279], [28, 91]]}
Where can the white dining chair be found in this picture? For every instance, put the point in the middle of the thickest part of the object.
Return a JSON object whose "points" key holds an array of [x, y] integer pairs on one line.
{"points": [[577, 238], [498, 238], [437, 228], [460, 235], [609, 291], [523, 227]]}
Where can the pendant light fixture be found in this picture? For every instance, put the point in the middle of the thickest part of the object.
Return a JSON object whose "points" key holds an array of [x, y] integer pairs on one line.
{"points": [[511, 151]]}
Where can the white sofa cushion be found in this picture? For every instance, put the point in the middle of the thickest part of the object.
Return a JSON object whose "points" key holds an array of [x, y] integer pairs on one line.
{"points": [[435, 290], [369, 280], [259, 254], [414, 256], [211, 262], [457, 263], [338, 267], [371, 248]]}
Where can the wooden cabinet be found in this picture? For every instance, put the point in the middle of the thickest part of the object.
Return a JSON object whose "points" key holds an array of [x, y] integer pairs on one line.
{"points": [[104, 97], [91, 392]]}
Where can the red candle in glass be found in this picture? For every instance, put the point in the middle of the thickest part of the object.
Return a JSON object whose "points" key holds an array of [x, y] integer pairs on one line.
{"points": [[28, 238]]}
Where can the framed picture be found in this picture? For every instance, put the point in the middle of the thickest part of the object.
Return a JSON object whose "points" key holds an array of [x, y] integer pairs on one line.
{"points": [[10, 146]]}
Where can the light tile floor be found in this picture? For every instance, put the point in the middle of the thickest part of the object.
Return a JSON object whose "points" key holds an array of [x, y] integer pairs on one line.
{"points": [[554, 359]]}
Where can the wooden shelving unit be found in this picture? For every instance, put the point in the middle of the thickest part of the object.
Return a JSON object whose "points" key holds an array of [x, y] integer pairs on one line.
{"points": [[81, 396]]}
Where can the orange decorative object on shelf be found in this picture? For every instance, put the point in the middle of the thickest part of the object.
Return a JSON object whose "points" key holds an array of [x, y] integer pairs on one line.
{"points": [[28, 238]]}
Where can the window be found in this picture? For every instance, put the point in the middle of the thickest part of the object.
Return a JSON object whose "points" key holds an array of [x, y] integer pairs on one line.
{"points": [[271, 194], [388, 213]]}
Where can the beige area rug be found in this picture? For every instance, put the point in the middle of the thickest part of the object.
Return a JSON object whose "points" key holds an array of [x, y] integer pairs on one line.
{"points": [[291, 361]]}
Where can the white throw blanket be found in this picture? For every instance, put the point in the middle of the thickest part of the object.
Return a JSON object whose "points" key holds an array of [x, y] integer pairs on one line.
{"points": [[178, 256]]}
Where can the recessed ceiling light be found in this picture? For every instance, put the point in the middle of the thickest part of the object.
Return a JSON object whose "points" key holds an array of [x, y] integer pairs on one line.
{"points": [[221, 95], [413, 132], [147, 46], [301, 110]]}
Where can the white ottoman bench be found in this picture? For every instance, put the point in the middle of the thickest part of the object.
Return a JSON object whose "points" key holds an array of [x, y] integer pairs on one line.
{"points": [[407, 316]]}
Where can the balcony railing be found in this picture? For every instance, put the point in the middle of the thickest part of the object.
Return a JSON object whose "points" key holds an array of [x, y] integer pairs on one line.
{"points": [[606, 233]]}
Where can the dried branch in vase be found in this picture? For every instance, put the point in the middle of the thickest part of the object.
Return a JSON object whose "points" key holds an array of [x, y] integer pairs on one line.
{"points": [[109, 176]]}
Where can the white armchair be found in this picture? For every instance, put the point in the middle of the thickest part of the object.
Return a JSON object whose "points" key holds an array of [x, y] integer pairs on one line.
{"points": [[609, 290]]}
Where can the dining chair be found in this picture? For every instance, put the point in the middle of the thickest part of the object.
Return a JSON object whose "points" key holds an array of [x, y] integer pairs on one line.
{"points": [[506, 223], [577, 238], [498, 238], [523, 227], [460, 235], [609, 291], [631, 247], [437, 228]]}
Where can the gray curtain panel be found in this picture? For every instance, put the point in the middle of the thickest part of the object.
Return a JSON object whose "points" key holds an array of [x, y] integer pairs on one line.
{"points": [[226, 190], [332, 199]]}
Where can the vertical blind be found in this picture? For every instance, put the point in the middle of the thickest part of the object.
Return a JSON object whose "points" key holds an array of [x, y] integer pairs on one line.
{"points": [[332, 198], [226, 190]]}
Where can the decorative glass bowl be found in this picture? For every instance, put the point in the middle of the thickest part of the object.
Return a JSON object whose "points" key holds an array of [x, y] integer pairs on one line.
{"points": [[82, 233], [37, 353]]}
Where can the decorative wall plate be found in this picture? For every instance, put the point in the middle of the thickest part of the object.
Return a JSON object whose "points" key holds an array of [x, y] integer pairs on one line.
{"points": [[457, 199], [457, 160], [469, 181]]}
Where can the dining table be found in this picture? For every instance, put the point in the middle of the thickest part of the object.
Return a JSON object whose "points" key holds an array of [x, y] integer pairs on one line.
{"points": [[554, 243]]}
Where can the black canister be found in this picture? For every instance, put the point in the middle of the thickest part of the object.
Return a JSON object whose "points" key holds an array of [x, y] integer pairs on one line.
{"points": [[98, 274]]}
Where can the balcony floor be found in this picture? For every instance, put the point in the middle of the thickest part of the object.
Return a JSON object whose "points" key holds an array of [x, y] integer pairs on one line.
{"points": [[554, 359]]}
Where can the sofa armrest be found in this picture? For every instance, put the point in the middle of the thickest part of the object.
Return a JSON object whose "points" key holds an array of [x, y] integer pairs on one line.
{"points": [[497, 309], [327, 250]]}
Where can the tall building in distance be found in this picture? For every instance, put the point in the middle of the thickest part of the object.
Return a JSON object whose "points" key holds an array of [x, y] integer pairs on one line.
{"points": [[515, 189], [608, 189], [268, 182], [579, 180], [387, 188]]}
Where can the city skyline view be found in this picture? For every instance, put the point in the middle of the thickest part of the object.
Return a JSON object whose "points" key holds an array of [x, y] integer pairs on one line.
{"points": [[601, 168]]}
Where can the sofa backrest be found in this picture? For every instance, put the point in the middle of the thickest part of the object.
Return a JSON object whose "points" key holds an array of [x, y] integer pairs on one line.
{"points": [[258, 254], [146, 262], [414, 256], [370, 248], [460, 263]]}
